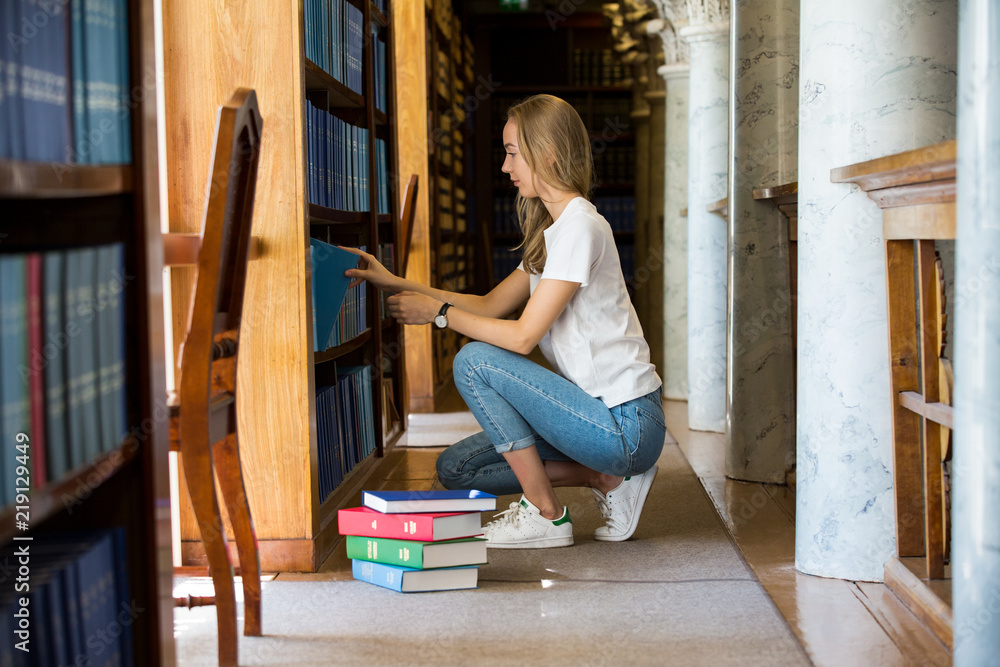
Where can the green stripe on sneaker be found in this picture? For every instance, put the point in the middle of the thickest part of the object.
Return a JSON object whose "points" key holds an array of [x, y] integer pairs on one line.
{"points": [[563, 519]]}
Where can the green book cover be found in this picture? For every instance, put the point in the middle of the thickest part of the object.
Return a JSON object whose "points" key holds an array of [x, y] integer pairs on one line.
{"points": [[416, 554]]}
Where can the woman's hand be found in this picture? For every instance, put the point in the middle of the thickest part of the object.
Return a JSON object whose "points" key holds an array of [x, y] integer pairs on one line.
{"points": [[371, 269], [413, 308]]}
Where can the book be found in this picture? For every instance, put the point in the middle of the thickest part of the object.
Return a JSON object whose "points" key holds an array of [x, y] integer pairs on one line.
{"points": [[416, 554], [409, 580], [426, 527], [329, 286], [396, 502]]}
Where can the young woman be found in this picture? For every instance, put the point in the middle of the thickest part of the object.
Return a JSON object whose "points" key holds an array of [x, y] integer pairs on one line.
{"points": [[596, 422]]}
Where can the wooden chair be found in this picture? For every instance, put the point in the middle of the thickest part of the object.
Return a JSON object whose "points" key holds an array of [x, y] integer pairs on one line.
{"points": [[203, 411], [406, 220]]}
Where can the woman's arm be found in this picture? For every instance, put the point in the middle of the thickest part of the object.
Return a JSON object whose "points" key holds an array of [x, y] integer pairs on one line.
{"points": [[501, 301], [520, 335]]}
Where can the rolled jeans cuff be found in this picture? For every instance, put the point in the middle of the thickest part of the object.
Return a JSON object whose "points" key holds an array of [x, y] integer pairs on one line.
{"points": [[523, 443]]}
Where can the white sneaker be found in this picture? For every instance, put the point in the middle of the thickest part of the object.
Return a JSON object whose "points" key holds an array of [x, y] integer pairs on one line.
{"points": [[622, 506], [522, 526]]}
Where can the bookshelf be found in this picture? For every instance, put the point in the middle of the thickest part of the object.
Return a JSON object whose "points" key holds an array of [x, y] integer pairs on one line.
{"points": [[284, 427], [453, 240], [53, 216], [581, 69]]}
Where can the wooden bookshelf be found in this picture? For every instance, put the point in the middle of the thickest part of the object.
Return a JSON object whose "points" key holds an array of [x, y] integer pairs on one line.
{"points": [[207, 56], [50, 207], [598, 94]]}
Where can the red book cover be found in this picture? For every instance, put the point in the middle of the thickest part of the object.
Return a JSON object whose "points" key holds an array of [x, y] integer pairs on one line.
{"points": [[426, 527], [36, 370]]}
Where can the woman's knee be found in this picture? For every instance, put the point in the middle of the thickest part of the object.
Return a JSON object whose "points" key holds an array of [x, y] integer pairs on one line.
{"points": [[467, 357], [449, 469]]}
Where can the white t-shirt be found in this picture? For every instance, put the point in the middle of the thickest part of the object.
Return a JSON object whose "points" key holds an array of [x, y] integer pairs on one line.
{"points": [[596, 342]]}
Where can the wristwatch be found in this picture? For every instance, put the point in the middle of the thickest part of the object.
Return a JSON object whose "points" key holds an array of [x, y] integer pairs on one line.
{"points": [[441, 319]]}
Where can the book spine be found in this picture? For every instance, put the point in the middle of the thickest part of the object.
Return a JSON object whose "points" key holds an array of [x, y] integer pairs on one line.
{"points": [[14, 394], [378, 574], [389, 552], [56, 434], [35, 368]]}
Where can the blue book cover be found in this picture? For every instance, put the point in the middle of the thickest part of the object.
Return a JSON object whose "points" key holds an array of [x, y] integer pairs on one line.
{"points": [[122, 597], [95, 593], [106, 337], [117, 329], [329, 284], [56, 434], [45, 91], [9, 95], [410, 580], [78, 44], [104, 91], [15, 60], [14, 389], [394, 502]]}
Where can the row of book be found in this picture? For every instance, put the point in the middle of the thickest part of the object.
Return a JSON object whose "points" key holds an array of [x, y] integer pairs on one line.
{"points": [[345, 425], [505, 215], [79, 610], [417, 541], [337, 160], [340, 312], [614, 164], [597, 68], [505, 262], [614, 113], [334, 40], [379, 53], [64, 81], [382, 176], [618, 211], [62, 358]]}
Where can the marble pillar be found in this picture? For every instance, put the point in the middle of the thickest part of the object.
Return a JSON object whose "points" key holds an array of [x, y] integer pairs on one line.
{"points": [[760, 385], [976, 487], [675, 319], [708, 174], [876, 78]]}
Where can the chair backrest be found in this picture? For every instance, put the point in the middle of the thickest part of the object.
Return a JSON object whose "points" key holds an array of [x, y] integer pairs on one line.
{"points": [[214, 320], [406, 219]]}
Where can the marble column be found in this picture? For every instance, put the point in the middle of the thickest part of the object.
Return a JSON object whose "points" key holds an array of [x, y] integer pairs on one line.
{"points": [[760, 385], [675, 285], [876, 78], [976, 488], [708, 173]]}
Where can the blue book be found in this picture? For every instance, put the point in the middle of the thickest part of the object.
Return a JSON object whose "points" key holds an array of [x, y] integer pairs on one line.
{"points": [[395, 502], [56, 433], [15, 414], [14, 61], [80, 316], [329, 284], [45, 91], [410, 580], [103, 136]]}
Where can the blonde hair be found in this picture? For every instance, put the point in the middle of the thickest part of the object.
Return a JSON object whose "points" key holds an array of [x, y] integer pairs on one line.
{"points": [[548, 127]]}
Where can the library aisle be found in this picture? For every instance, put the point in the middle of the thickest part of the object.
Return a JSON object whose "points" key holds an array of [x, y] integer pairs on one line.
{"points": [[678, 591]]}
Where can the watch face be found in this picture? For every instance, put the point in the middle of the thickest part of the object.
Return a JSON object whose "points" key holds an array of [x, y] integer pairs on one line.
{"points": [[441, 321]]}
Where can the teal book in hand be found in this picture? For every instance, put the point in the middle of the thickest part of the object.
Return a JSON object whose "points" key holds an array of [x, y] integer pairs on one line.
{"points": [[329, 286]]}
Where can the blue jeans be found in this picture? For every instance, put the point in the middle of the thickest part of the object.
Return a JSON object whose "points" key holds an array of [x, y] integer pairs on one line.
{"points": [[519, 404]]}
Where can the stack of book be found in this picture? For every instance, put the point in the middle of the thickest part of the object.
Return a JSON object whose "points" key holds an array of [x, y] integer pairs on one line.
{"points": [[414, 541]]}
